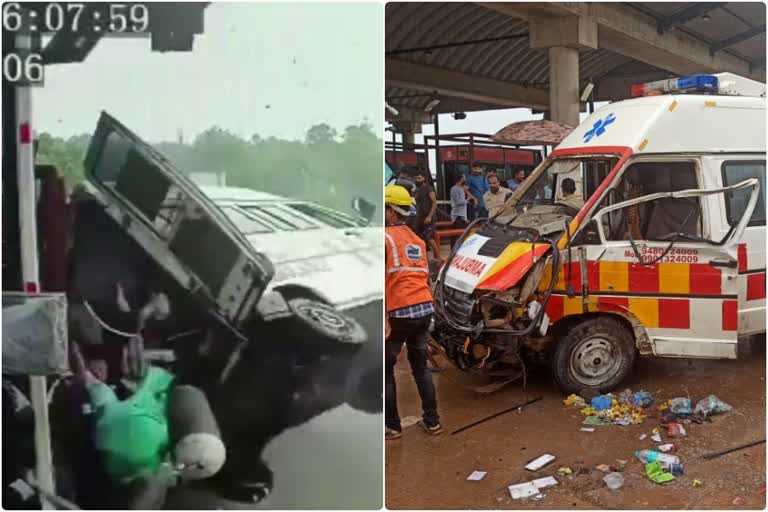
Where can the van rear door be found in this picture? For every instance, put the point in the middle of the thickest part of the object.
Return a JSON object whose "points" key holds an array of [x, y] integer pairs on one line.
{"points": [[175, 223]]}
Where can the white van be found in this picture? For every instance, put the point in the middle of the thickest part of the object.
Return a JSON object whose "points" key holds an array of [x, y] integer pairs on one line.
{"points": [[661, 250]]}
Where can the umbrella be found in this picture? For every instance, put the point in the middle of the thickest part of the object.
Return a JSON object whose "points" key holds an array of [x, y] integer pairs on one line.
{"points": [[533, 133]]}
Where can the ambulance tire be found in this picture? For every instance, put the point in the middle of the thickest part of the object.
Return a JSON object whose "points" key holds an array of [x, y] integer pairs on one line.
{"points": [[610, 347]]}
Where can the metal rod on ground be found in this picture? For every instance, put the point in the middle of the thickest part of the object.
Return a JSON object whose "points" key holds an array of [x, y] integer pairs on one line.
{"points": [[729, 450], [529, 402]]}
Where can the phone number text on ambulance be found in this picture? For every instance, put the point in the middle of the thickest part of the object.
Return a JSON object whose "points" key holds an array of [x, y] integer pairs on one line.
{"points": [[673, 256]]}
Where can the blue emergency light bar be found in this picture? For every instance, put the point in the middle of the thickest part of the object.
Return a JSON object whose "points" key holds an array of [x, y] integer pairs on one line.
{"points": [[698, 83]]}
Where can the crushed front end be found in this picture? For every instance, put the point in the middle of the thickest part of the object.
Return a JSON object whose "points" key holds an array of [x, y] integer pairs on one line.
{"points": [[491, 296]]}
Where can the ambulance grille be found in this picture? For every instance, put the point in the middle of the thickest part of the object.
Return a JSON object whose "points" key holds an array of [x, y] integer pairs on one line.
{"points": [[459, 306]]}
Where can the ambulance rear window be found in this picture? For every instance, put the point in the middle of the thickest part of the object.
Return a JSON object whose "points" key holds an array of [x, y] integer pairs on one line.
{"points": [[734, 172]]}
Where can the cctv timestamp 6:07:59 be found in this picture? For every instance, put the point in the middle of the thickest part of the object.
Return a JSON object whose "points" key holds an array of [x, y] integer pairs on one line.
{"points": [[28, 22], [83, 18]]}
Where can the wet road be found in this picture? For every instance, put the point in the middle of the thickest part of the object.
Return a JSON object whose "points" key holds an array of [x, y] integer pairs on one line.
{"points": [[424, 472], [332, 462]]}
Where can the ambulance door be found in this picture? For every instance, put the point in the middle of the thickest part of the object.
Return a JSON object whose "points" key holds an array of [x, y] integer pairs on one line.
{"points": [[658, 263], [732, 169]]}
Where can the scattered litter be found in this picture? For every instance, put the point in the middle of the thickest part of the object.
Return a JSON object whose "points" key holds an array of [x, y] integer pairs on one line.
{"points": [[614, 481], [623, 462], [676, 469], [711, 405], [547, 481], [655, 431], [531, 489], [667, 416], [596, 420], [697, 482], [642, 399], [540, 462], [605, 468], [521, 491], [409, 421], [587, 429], [643, 436], [667, 448], [665, 459], [477, 476], [601, 403], [675, 430], [656, 473], [681, 406], [565, 470], [575, 401], [739, 501], [656, 438], [606, 409]]}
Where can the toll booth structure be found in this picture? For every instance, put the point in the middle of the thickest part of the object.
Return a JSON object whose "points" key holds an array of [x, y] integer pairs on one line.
{"points": [[458, 153]]}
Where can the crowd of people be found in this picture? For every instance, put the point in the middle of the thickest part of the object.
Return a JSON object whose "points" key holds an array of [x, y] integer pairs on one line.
{"points": [[477, 196]]}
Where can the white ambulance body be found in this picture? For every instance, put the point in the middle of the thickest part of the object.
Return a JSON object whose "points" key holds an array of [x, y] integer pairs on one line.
{"points": [[724, 136], [670, 243]]}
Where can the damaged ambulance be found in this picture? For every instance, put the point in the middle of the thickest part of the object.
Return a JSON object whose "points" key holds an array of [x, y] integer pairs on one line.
{"points": [[659, 251], [269, 304]]}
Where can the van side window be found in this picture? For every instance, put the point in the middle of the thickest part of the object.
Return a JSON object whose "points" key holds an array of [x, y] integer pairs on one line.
{"points": [[659, 219], [735, 202]]}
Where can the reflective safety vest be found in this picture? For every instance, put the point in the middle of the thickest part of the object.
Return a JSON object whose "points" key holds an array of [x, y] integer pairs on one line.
{"points": [[407, 268]]}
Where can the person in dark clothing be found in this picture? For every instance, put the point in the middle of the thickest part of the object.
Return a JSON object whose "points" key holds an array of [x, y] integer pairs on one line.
{"points": [[426, 206]]}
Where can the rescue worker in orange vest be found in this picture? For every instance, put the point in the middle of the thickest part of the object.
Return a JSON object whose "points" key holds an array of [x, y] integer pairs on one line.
{"points": [[409, 311]]}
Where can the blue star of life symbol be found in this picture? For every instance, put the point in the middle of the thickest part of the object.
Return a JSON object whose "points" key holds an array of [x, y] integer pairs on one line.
{"points": [[599, 127]]}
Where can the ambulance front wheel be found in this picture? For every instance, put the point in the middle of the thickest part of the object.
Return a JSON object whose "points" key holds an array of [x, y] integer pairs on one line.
{"points": [[596, 354]]}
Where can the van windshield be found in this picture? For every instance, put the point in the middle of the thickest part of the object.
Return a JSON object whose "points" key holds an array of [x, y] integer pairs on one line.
{"points": [[556, 191]]}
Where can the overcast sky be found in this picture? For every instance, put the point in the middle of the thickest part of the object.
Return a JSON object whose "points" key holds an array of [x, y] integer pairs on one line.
{"points": [[311, 63]]}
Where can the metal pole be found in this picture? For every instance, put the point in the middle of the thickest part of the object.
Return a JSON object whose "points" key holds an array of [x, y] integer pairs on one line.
{"points": [[30, 271], [394, 147], [438, 163]]}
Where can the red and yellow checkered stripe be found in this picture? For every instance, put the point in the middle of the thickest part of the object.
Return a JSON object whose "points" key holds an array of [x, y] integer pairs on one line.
{"points": [[659, 295]]}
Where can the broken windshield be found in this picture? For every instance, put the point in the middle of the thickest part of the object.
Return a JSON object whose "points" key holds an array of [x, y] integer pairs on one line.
{"points": [[555, 191]]}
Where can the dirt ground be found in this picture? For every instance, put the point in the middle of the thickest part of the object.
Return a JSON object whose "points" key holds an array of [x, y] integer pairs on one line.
{"points": [[425, 472]]}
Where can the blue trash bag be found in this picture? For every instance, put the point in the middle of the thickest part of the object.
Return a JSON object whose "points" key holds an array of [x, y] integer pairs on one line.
{"points": [[601, 403]]}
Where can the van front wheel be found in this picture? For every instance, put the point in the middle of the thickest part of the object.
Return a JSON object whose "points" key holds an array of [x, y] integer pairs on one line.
{"points": [[595, 355]]}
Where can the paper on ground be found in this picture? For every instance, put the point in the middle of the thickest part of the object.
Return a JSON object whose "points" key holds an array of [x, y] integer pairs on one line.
{"points": [[528, 489], [587, 429], [540, 462], [408, 421], [477, 475], [525, 490], [656, 438]]}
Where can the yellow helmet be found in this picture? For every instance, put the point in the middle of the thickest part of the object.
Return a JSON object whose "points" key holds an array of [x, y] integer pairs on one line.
{"points": [[397, 195]]}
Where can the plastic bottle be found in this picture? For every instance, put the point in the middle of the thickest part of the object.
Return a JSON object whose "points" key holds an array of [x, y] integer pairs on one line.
{"points": [[665, 459]]}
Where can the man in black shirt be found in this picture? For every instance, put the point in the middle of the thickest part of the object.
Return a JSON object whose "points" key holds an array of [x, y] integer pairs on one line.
{"points": [[426, 206]]}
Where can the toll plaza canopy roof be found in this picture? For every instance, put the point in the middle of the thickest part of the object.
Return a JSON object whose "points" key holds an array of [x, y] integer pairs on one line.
{"points": [[482, 56]]}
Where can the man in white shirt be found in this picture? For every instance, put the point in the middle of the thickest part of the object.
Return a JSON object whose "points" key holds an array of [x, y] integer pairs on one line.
{"points": [[496, 196], [459, 199]]}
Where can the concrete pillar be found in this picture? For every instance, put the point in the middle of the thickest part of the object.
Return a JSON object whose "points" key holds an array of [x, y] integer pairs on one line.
{"points": [[408, 137], [564, 85], [563, 37]]}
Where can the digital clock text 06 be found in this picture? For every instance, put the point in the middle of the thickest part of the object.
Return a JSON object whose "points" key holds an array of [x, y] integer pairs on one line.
{"points": [[23, 67], [76, 17]]}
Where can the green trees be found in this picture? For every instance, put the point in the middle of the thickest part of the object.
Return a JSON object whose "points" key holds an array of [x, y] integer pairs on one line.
{"points": [[325, 167]]}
